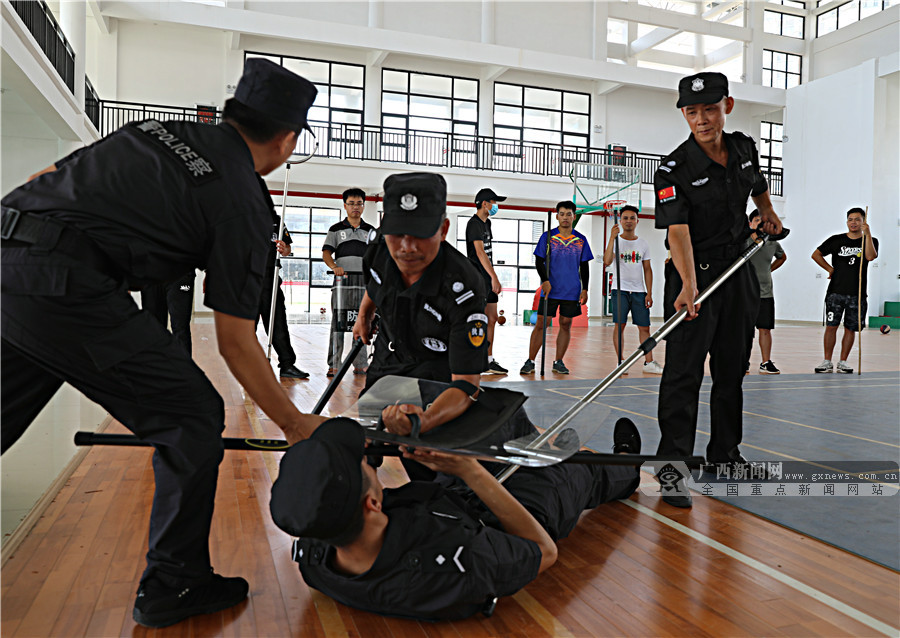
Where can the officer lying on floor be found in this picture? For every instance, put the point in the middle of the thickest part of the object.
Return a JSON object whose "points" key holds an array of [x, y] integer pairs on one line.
{"points": [[422, 550], [431, 301]]}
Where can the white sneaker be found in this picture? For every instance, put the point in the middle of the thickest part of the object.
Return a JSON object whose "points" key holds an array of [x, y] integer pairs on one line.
{"points": [[651, 367], [825, 366], [843, 367]]}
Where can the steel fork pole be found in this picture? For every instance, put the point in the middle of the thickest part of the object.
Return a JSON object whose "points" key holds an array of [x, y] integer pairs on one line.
{"points": [[643, 349], [271, 331]]}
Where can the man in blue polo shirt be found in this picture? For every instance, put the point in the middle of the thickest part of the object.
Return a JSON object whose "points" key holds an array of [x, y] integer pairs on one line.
{"points": [[567, 279]]}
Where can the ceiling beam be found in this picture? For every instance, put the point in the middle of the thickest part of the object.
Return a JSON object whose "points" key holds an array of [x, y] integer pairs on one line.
{"points": [[657, 36], [682, 21]]}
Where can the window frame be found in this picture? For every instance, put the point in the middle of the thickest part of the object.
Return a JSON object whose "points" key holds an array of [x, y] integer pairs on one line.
{"points": [[562, 112]]}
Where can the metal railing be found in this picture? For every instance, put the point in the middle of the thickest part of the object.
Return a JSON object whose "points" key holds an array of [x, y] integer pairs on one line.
{"points": [[43, 26], [421, 148], [91, 103]]}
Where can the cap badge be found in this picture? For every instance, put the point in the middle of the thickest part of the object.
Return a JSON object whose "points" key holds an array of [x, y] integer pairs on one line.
{"points": [[697, 85], [409, 202]]}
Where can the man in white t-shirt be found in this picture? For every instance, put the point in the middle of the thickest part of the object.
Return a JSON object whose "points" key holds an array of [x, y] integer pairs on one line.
{"points": [[637, 282]]}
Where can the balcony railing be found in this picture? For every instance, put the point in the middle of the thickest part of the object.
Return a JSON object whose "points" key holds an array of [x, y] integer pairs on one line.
{"points": [[91, 103], [40, 21], [421, 148]]}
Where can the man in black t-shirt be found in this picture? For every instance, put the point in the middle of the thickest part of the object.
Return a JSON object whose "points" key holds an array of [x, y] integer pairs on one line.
{"points": [[144, 205], [843, 296], [480, 252]]}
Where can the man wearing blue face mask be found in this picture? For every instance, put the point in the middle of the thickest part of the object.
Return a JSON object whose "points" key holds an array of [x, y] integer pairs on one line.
{"points": [[479, 251]]}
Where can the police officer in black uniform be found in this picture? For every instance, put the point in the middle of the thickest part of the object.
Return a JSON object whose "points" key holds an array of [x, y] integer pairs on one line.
{"points": [[281, 338], [701, 199], [425, 551], [429, 298], [144, 205]]}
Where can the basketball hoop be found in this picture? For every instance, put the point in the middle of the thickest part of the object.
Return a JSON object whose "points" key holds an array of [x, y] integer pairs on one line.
{"points": [[613, 205]]}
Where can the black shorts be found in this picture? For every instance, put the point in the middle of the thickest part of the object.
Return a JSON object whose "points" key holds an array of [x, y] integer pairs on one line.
{"points": [[766, 317], [837, 305], [491, 296], [567, 307]]}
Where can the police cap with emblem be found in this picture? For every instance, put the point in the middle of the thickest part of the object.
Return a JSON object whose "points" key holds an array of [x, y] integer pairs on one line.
{"points": [[274, 91], [702, 88], [414, 204], [318, 490]]}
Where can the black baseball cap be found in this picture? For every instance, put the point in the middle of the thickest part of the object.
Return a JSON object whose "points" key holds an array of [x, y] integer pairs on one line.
{"points": [[319, 485], [274, 91], [702, 88], [414, 204], [486, 194]]}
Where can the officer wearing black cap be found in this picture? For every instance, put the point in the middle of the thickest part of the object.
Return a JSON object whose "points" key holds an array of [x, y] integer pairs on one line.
{"points": [[480, 252], [425, 551], [430, 300], [701, 199], [147, 204]]}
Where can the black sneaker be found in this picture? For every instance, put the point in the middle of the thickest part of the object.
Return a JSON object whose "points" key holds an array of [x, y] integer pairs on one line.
{"points": [[768, 368], [292, 372], [527, 368], [559, 367], [626, 438], [157, 605], [495, 368]]}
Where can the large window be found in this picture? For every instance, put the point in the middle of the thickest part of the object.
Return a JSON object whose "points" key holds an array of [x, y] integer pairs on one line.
{"points": [[307, 284], [341, 87], [770, 146], [783, 24], [428, 102], [531, 114], [513, 246], [781, 70], [848, 13]]}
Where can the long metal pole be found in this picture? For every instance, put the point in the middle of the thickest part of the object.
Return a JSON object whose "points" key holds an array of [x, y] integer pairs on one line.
{"points": [[287, 173], [619, 329], [643, 349], [546, 298]]}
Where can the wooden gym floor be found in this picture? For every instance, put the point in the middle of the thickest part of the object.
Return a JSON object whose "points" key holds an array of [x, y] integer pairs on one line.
{"points": [[631, 568]]}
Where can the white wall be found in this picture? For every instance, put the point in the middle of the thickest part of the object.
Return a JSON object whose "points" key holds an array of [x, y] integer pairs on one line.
{"points": [[872, 37], [838, 156]]}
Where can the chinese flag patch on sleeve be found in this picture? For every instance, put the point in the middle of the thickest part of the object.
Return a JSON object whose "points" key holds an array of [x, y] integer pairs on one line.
{"points": [[666, 194]]}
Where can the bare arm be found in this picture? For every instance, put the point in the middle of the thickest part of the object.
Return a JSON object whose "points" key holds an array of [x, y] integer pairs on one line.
{"points": [[245, 358], [819, 259], [486, 263], [362, 329], [779, 262], [768, 219], [610, 253], [328, 258], [648, 282], [871, 253], [448, 405], [516, 520], [683, 257]]}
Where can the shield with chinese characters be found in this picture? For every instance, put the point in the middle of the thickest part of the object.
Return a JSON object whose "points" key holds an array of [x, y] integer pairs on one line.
{"points": [[476, 333]]}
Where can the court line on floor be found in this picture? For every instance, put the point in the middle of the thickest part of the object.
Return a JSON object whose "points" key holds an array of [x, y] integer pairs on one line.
{"points": [[761, 416], [761, 567]]}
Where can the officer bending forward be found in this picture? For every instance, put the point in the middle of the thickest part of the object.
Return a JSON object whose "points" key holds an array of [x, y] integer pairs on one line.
{"points": [[424, 551], [145, 205]]}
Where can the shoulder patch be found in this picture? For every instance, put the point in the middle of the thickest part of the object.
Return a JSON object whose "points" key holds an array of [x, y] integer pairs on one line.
{"points": [[477, 317], [666, 195], [476, 331], [199, 169], [375, 276]]}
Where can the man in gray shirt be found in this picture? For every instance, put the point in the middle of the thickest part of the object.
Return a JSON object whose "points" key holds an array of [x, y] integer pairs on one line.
{"points": [[344, 247], [763, 264]]}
